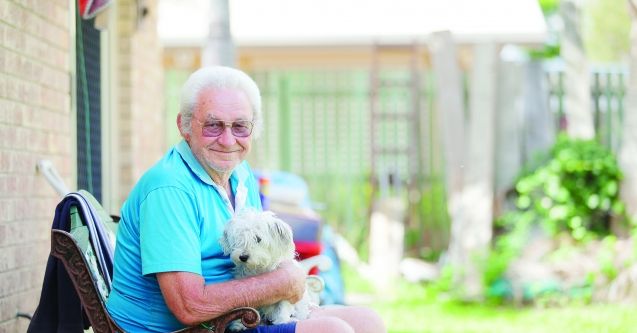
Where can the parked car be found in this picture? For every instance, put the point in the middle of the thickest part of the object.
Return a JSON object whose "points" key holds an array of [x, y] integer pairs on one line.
{"points": [[288, 196]]}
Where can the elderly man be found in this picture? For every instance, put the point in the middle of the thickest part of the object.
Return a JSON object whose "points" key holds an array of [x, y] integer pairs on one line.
{"points": [[169, 268]]}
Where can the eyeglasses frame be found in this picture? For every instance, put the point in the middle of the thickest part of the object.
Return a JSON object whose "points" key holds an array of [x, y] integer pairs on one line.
{"points": [[226, 124]]}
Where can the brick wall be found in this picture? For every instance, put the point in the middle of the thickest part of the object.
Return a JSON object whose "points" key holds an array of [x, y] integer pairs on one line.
{"points": [[34, 124], [141, 133]]}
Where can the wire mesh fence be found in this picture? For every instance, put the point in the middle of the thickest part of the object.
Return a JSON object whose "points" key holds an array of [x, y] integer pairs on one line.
{"points": [[318, 124]]}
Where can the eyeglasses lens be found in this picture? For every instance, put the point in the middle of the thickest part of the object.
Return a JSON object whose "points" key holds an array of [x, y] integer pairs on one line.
{"points": [[239, 129]]}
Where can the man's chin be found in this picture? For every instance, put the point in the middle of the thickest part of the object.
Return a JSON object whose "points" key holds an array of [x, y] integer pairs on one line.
{"points": [[223, 167]]}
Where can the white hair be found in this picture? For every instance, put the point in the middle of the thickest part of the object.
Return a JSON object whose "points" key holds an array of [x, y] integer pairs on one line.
{"points": [[219, 77]]}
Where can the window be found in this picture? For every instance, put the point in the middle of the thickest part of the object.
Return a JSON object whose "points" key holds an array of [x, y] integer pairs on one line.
{"points": [[88, 106]]}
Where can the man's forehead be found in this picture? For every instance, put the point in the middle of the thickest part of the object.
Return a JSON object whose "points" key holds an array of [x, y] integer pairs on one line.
{"points": [[214, 103]]}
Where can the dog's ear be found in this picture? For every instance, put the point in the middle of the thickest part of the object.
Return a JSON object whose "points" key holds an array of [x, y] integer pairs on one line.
{"points": [[223, 242], [281, 230]]}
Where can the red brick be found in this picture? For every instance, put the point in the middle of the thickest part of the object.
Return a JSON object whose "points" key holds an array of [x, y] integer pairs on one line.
{"points": [[11, 13], [4, 193], [7, 259], [24, 163], [11, 157], [3, 233], [10, 326], [22, 324], [61, 15], [24, 302], [6, 207], [10, 90], [28, 300], [5, 165], [34, 25], [3, 28], [4, 82], [4, 10], [11, 185], [17, 116], [10, 283]]}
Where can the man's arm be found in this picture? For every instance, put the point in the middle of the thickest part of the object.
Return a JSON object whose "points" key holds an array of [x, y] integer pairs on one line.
{"points": [[192, 301]]}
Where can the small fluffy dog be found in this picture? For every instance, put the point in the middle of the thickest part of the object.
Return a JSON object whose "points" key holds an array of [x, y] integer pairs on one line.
{"points": [[258, 242]]}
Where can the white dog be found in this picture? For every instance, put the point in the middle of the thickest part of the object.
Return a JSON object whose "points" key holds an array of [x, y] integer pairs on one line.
{"points": [[258, 242]]}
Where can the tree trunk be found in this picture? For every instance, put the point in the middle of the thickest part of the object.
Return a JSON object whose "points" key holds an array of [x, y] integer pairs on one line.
{"points": [[628, 152], [473, 234], [450, 116], [468, 164], [219, 48], [579, 118], [539, 123], [386, 236], [509, 125]]}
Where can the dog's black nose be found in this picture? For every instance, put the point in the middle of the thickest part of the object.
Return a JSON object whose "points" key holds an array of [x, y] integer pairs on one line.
{"points": [[244, 257]]}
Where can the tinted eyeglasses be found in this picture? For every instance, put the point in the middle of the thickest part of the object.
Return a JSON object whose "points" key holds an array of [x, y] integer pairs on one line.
{"points": [[214, 128]]}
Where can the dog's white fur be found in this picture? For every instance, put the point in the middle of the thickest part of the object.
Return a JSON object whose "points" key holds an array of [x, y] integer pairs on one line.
{"points": [[258, 242]]}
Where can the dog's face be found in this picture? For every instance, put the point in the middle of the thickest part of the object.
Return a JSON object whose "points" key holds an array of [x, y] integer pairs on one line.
{"points": [[257, 241]]}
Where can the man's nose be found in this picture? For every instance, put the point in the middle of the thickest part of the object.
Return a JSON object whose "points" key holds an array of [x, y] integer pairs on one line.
{"points": [[226, 137], [244, 257]]}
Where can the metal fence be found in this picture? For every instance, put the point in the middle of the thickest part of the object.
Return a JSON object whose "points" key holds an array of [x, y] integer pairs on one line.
{"points": [[608, 89], [317, 125]]}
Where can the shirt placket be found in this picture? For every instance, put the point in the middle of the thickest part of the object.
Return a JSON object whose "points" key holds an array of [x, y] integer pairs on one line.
{"points": [[224, 197]]}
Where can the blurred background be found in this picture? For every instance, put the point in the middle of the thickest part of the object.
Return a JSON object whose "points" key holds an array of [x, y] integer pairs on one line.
{"points": [[468, 166]]}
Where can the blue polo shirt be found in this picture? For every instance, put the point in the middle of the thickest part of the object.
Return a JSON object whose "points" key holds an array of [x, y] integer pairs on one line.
{"points": [[172, 221]]}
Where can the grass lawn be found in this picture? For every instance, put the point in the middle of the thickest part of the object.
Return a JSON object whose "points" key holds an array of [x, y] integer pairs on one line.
{"points": [[414, 308]]}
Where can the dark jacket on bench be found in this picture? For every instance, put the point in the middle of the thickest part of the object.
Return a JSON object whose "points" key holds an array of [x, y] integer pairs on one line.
{"points": [[60, 309]]}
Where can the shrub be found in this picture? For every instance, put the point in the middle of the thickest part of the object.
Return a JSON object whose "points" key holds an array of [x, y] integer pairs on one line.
{"points": [[577, 191]]}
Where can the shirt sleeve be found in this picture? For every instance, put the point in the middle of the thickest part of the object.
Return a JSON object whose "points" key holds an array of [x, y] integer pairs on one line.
{"points": [[169, 232]]}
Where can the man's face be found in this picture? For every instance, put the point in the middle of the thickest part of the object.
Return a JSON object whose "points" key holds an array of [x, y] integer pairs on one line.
{"points": [[224, 152]]}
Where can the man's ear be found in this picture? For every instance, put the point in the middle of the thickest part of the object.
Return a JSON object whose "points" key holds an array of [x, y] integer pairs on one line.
{"points": [[184, 135]]}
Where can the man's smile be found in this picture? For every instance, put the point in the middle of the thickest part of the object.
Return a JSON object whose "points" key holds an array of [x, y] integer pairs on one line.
{"points": [[224, 151]]}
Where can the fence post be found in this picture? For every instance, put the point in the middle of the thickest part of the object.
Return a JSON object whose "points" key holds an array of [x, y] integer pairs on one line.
{"points": [[285, 142], [627, 160], [578, 111]]}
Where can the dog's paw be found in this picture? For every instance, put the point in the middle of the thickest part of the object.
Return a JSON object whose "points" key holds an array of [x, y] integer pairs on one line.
{"points": [[282, 320], [278, 317], [302, 310], [301, 314]]}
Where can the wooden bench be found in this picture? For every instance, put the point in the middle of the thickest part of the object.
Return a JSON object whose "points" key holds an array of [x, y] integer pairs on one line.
{"points": [[74, 250]]}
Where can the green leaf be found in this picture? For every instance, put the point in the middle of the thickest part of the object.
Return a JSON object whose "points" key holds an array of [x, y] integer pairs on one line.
{"points": [[593, 201], [611, 188], [524, 202], [558, 212]]}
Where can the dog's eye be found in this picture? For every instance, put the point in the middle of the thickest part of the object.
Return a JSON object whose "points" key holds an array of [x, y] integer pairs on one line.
{"points": [[258, 239]]}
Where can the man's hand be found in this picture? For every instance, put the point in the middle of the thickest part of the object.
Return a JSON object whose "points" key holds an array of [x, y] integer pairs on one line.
{"points": [[295, 279], [192, 301]]}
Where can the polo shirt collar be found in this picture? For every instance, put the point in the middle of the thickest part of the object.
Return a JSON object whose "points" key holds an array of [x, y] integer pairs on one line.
{"points": [[237, 178], [186, 154]]}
